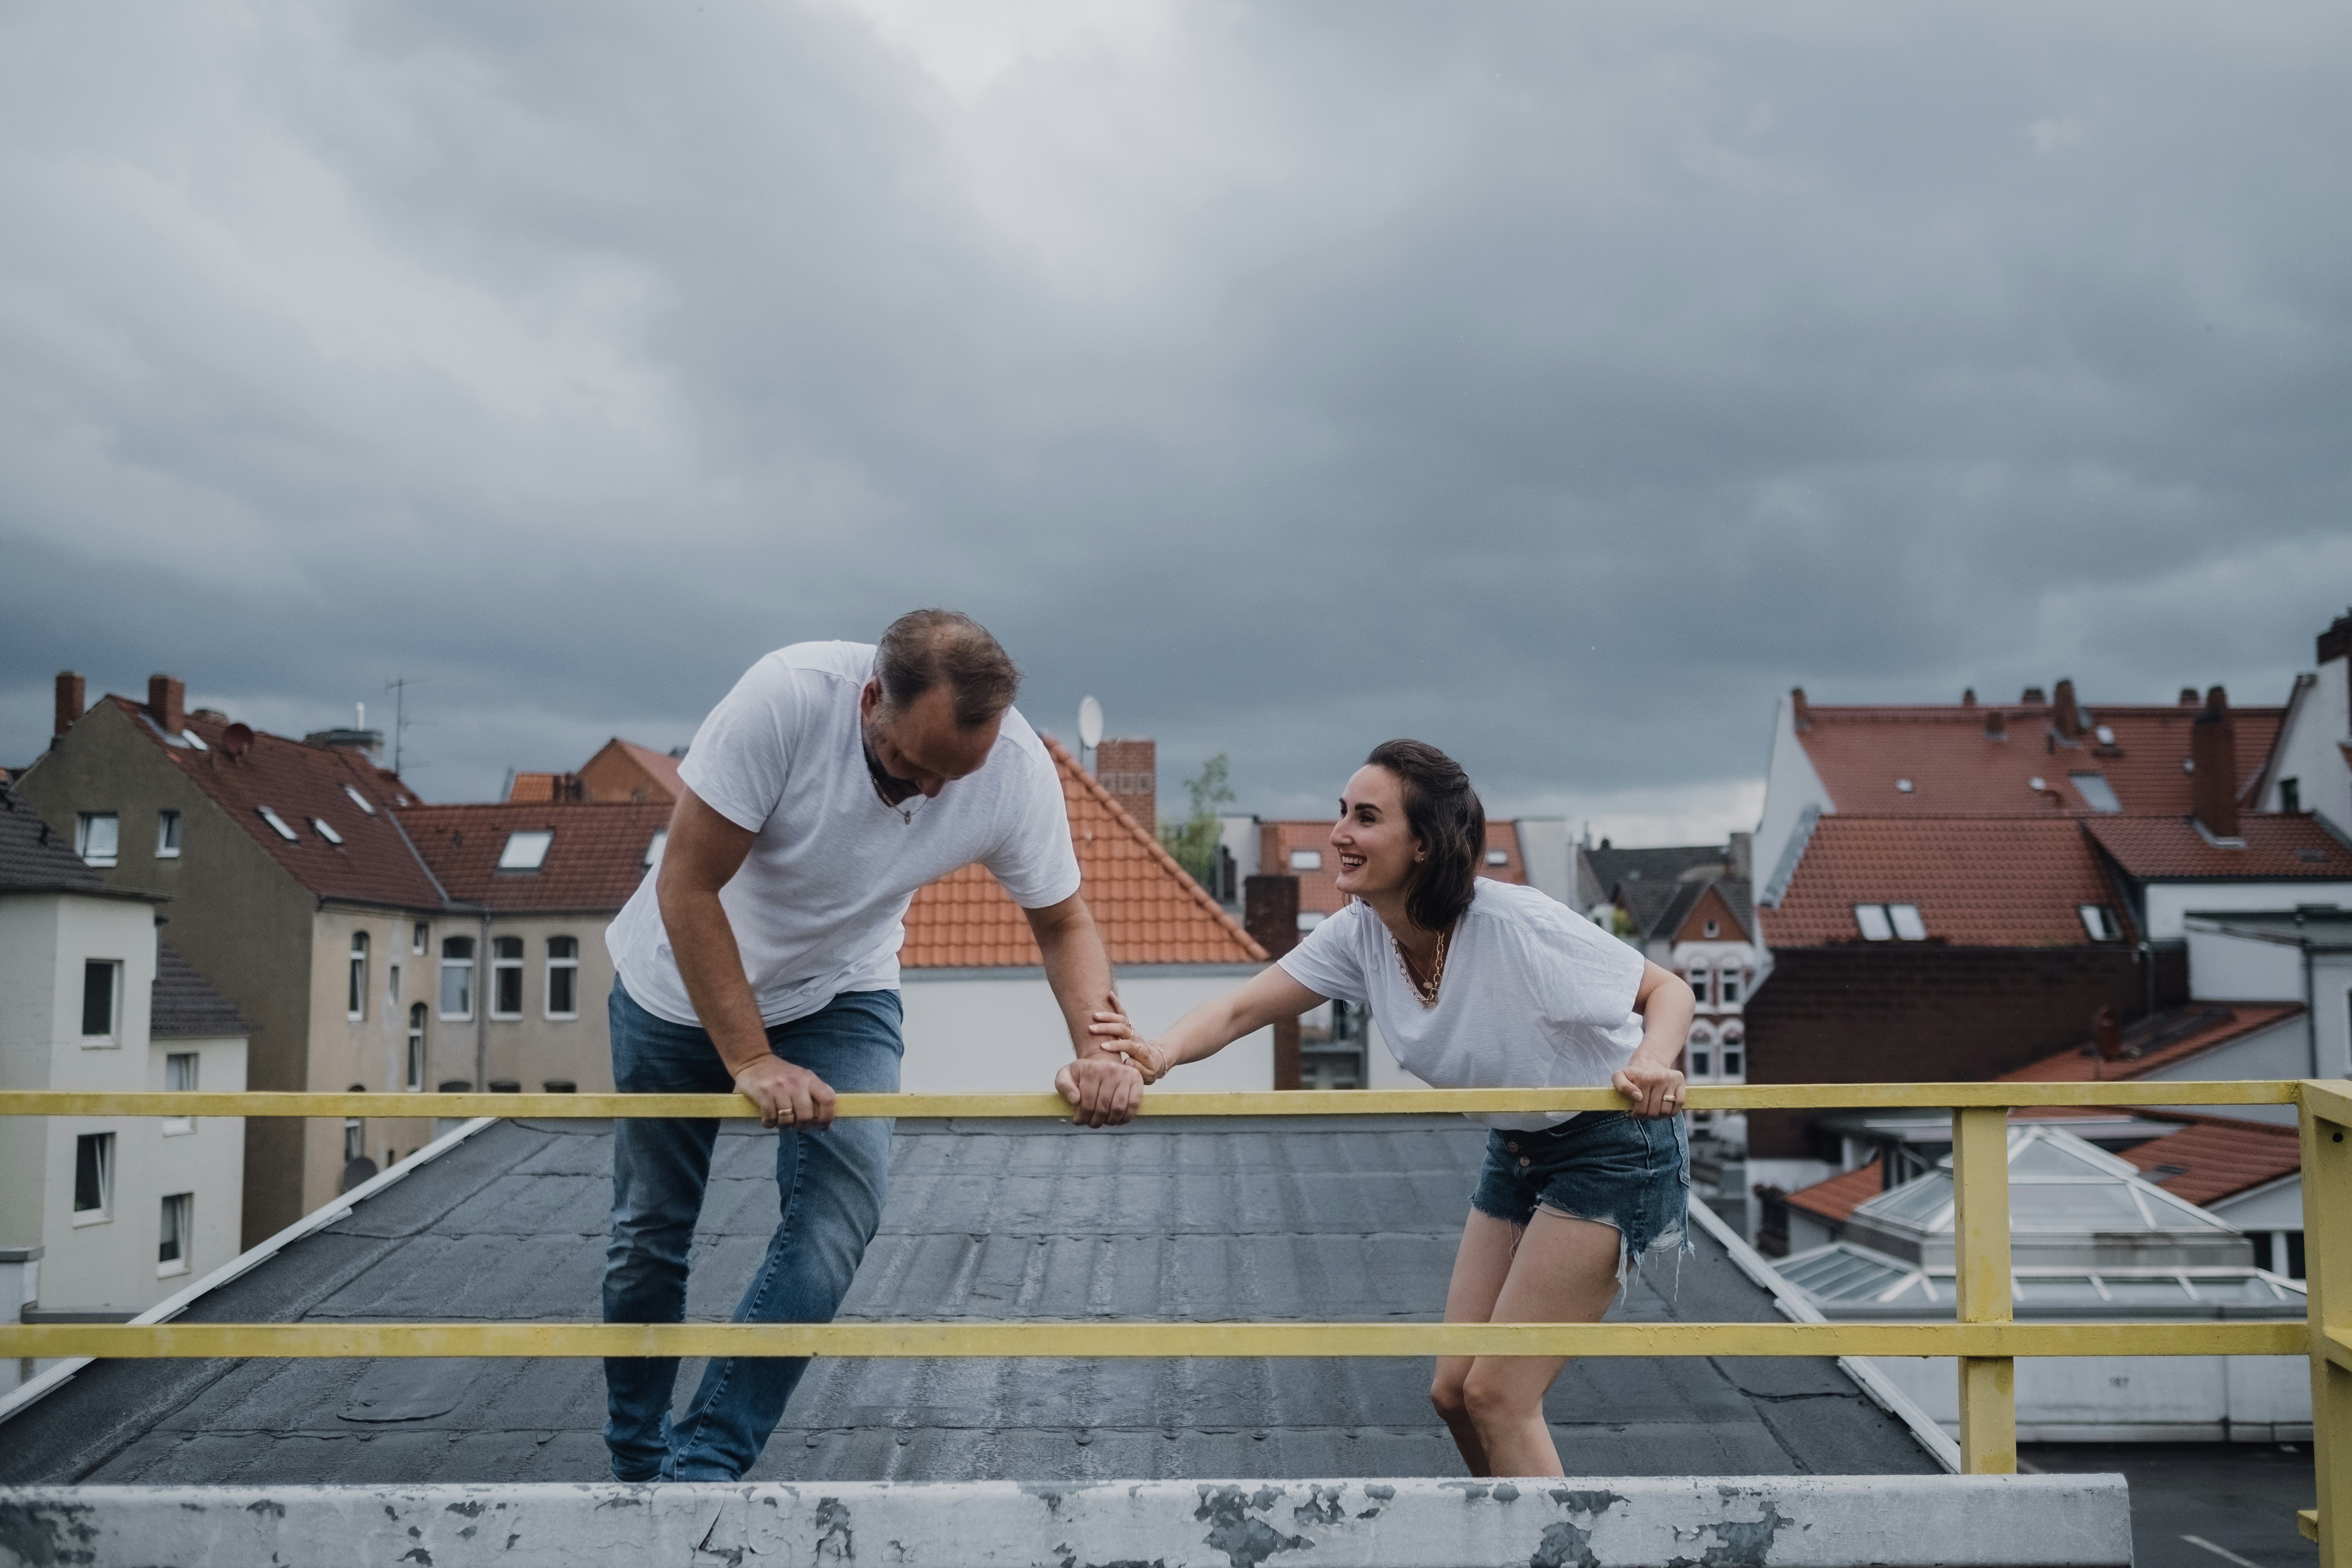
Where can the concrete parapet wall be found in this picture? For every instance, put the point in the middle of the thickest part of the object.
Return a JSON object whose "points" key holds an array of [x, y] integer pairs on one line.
{"points": [[1809, 1521]]}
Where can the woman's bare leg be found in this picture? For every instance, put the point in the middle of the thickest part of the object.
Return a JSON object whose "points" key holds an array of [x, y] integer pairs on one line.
{"points": [[1480, 1265], [1564, 1271]]}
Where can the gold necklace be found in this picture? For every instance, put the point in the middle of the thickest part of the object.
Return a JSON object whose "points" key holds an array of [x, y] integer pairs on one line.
{"points": [[1428, 993]]}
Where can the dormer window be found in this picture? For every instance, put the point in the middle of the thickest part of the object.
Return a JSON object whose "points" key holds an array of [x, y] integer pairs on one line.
{"points": [[1498, 856], [276, 824], [526, 849]]}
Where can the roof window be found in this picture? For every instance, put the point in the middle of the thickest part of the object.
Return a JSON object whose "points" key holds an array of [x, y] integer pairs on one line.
{"points": [[654, 848], [1306, 859], [526, 849], [2106, 734], [1872, 919], [359, 800], [1498, 856], [191, 738], [277, 823], [1902, 786], [1907, 923], [2096, 792], [2099, 921], [319, 825]]}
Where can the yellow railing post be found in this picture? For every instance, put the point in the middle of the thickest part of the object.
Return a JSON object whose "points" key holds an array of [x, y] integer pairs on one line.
{"points": [[1980, 1268], [2326, 1115]]}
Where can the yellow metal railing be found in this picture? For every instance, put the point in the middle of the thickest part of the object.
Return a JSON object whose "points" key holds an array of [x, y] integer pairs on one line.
{"points": [[1985, 1338]]}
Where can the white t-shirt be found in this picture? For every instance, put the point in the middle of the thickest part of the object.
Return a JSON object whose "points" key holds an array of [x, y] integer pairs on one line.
{"points": [[817, 904], [1534, 997]]}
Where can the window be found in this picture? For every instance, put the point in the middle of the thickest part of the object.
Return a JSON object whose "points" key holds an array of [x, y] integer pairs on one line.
{"points": [[1728, 991], [167, 835], [93, 1177], [277, 823], [506, 977], [2289, 795], [416, 1049], [359, 800], [319, 825], [1306, 859], [1872, 919], [654, 848], [563, 977], [1702, 1053], [419, 935], [526, 849], [176, 1238], [101, 979], [2100, 923], [1714, 927], [457, 977], [1735, 1056], [179, 1077], [97, 835], [1907, 923], [1697, 978], [355, 1000], [392, 986], [2096, 792], [1498, 856], [355, 1132]]}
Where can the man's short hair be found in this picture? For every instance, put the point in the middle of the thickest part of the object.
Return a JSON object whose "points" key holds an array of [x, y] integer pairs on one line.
{"points": [[924, 649]]}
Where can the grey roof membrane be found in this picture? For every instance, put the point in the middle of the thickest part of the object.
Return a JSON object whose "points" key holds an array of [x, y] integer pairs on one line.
{"points": [[1198, 1220]]}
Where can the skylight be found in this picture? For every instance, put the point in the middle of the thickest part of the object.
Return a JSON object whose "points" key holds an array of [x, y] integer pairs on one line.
{"points": [[2100, 923], [277, 823], [526, 849], [1903, 785], [654, 848], [1907, 923], [1498, 856], [2106, 736], [1306, 859], [191, 738], [2096, 792], [1872, 919], [325, 832], [359, 800]]}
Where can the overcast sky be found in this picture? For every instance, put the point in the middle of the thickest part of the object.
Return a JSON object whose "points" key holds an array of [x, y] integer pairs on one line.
{"points": [[1555, 383]]}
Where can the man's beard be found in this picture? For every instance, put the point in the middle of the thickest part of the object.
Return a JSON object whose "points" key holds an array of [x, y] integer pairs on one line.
{"points": [[893, 789]]}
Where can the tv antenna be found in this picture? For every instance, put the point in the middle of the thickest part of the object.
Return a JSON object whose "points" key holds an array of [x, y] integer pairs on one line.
{"points": [[399, 687], [1090, 724]]}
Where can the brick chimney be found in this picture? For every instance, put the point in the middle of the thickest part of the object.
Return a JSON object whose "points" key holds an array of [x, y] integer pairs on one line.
{"points": [[167, 703], [1129, 769], [2107, 1034], [2213, 749], [69, 702], [2188, 697], [2336, 643], [2070, 717], [1996, 724], [1270, 914], [2034, 698], [1801, 710]]}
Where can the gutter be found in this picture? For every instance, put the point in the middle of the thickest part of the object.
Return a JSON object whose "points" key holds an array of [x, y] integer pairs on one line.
{"points": [[163, 1311]]}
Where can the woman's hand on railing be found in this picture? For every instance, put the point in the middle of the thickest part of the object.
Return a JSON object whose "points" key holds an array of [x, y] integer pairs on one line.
{"points": [[1105, 1090], [1113, 1032], [1654, 1092]]}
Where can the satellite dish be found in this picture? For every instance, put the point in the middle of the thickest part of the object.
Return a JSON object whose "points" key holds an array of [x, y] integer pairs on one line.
{"points": [[235, 741], [1090, 724]]}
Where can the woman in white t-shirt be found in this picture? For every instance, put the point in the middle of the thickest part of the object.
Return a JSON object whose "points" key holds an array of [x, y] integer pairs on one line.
{"points": [[1483, 984]]}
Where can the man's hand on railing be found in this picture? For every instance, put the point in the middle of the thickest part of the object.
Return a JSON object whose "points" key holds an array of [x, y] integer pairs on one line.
{"points": [[1105, 1090], [1654, 1092], [787, 1096]]}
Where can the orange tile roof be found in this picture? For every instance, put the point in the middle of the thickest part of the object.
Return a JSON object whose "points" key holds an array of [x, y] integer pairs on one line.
{"points": [[607, 774], [2280, 847], [1505, 837], [1861, 752], [594, 862], [303, 784], [2158, 1041], [531, 789], [1837, 1198], [2216, 1156], [1148, 909], [1978, 882]]}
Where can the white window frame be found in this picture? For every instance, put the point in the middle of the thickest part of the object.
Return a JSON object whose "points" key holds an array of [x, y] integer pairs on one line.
{"points": [[1909, 926], [1699, 977], [420, 938], [177, 1212], [325, 829], [547, 990], [104, 1213], [1734, 977], [188, 1066], [86, 835], [1724, 1048], [465, 966], [1701, 1043], [113, 1035], [355, 993], [1306, 860], [276, 824], [167, 835], [1872, 923], [654, 847], [525, 850], [1498, 856], [418, 1015], [502, 965]]}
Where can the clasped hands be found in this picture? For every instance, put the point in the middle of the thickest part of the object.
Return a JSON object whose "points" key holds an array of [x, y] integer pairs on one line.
{"points": [[1104, 1087]]}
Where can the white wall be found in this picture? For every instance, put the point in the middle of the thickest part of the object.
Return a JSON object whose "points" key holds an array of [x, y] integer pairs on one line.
{"points": [[977, 1032], [2278, 1207], [2308, 752], [1543, 846], [2168, 903], [2131, 1399], [2283, 1050], [1790, 784], [2224, 968]]}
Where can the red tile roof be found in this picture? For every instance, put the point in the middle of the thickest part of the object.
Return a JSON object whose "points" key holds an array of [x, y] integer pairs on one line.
{"points": [[1837, 1198], [594, 862], [2158, 1041], [1978, 882], [623, 770], [1148, 909], [304, 784], [2216, 1156], [1505, 837], [2277, 846], [1860, 753]]}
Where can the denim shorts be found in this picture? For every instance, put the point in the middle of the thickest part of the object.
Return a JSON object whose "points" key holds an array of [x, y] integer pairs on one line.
{"points": [[1608, 1166]]}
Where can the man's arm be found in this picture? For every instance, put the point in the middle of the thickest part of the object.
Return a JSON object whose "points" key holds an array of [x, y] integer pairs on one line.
{"points": [[1076, 966], [704, 852]]}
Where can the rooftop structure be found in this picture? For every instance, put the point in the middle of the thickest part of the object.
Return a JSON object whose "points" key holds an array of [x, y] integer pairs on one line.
{"points": [[620, 773]]}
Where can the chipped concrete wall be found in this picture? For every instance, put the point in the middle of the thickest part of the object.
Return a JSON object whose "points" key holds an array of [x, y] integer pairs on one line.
{"points": [[1736, 1522]]}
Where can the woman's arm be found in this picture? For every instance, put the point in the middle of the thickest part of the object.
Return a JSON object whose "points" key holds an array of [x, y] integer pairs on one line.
{"points": [[1212, 1026], [1651, 1080]]}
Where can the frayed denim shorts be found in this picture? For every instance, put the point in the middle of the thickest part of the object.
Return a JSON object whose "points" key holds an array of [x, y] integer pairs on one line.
{"points": [[1608, 1166]]}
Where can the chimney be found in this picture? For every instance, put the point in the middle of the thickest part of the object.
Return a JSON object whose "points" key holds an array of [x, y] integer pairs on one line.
{"points": [[1996, 724], [2336, 643], [2213, 780], [1969, 698], [70, 701], [2188, 697], [2070, 717], [1129, 769], [2034, 698], [1800, 708], [1270, 914], [167, 703], [2107, 1034]]}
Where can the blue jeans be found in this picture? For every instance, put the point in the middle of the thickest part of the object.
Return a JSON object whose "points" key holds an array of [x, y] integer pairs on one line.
{"points": [[829, 1185]]}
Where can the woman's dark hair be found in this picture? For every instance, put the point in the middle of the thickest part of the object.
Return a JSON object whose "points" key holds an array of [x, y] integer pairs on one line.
{"points": [[1445, 813]]}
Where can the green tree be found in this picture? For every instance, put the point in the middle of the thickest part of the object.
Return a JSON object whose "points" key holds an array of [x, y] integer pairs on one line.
{"points": [[1194, 841]]}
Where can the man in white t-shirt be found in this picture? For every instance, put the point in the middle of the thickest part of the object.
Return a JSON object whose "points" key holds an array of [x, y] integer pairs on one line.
{"points": [[763, 956]]}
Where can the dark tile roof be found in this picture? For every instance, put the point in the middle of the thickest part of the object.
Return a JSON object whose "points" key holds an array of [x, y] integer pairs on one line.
{"points": [[36, 858], [1167, 1220], [305, 786], [184, 1005], [2160, 1040], [1978, 882], [2276, 848], [594, 861], [1614, 870]]}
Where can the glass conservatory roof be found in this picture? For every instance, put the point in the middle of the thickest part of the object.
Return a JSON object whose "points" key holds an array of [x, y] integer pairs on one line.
{"points": [[1843, 1273], [2058, 1186]]}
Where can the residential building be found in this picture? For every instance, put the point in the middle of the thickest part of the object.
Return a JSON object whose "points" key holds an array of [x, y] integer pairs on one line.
{"points": [[103, 1217], [621, 772], [2309, 767]]}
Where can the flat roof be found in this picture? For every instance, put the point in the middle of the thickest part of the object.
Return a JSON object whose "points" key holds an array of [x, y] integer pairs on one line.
{"points": [[1219, 1219]]}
